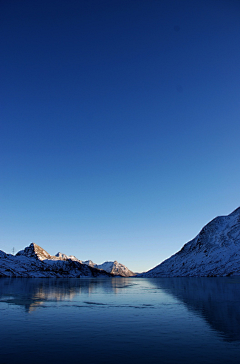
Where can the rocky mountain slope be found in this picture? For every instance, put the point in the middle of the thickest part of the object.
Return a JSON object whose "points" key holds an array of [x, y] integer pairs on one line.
{"points": [[35, 262], [215, 251], [65, 257], [114, 268]]}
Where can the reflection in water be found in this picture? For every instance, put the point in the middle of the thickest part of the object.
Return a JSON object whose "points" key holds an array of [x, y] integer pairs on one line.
{"points": [[217, 300], [33, 292]]}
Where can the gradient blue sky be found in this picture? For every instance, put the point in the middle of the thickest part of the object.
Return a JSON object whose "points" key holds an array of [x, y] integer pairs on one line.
{"points": [[119, 133]]}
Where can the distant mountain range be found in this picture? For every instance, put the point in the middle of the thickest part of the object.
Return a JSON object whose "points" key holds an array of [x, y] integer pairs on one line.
{"points": [[114, 268], [36, 262], [215, 251]]}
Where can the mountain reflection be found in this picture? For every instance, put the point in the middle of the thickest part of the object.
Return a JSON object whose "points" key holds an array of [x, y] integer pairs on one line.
{"points": [[217, 300], [31, 293]]}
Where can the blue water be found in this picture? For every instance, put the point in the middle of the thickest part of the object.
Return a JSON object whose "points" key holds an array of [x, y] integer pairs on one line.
{"points": [[123, 320]]}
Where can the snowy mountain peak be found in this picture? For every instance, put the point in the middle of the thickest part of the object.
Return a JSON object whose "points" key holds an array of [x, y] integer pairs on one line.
{"points": [[215, 251], [62, 256], [90, 263], [34, 261], [116, 269], [39, 254], [35, 251]]}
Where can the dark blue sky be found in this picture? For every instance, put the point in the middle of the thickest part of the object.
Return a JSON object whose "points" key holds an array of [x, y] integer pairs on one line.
{"points": [[119, 124]]}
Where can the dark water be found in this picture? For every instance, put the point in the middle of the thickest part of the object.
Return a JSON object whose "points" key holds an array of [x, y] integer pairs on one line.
{"points": [[123, 320]]}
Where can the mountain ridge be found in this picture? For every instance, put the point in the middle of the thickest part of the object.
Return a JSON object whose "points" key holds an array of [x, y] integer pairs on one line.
{"points": [[215, 251], [114, 267], [34, 261]]}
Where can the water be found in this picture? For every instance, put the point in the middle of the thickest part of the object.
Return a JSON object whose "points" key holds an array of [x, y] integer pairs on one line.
{"points": [[128, 320]]}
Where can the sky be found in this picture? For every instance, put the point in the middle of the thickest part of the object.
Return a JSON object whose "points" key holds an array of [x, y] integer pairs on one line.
{"points": [[119, 125]]}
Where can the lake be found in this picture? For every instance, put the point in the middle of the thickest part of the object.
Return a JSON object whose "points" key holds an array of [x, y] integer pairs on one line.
{"points": [[128, 320]]}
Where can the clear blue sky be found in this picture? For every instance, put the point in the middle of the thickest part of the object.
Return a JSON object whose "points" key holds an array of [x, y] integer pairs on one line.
{"points": [[120, 125]]}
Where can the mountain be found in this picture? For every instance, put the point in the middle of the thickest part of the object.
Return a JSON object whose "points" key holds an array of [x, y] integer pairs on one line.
{"points": [[114, 268], [65, 257], [215, 251], [35, 251], [36, 262], [90, 263]]}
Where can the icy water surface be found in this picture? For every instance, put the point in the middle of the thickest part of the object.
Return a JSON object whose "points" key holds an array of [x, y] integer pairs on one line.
{"points": [[123, 320]]}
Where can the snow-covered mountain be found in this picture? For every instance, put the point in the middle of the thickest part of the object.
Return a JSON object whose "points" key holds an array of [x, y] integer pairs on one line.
{"points": [[35, 262], [35, 251], [114, 268], [65, 257], [90, 263], [215, 251]]}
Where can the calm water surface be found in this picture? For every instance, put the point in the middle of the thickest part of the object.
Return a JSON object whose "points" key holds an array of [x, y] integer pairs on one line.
{"points": [[132, 320]]}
